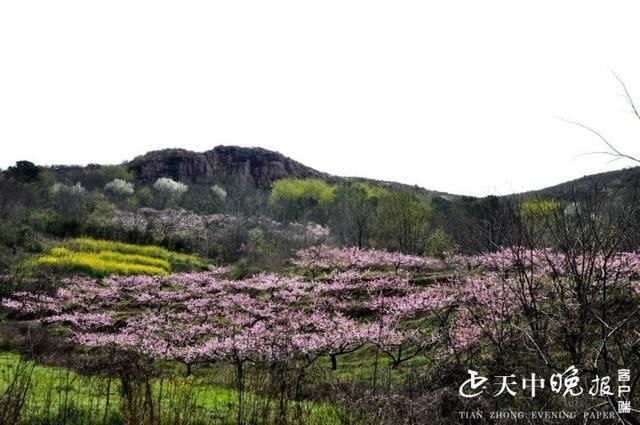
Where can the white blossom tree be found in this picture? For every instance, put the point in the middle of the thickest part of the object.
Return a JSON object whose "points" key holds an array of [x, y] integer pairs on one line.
{"points": [[170, 190], [219, 197], [119, 187]]}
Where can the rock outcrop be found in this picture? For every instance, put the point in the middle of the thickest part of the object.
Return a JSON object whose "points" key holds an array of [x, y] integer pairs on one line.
{"points": [[222, 164]]}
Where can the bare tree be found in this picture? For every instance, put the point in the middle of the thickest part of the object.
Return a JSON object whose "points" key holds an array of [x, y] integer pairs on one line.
{"points": [[612, 150]]}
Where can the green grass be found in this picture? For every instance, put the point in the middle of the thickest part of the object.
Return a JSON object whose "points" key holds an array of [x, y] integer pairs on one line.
{"points": [[100, 258], [57, 395]]}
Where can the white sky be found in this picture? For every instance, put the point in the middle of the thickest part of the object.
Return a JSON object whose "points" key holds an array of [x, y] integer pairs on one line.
{"points": [[453, 96]]}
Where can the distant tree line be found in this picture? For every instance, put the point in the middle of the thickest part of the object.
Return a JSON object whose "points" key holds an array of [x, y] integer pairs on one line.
{"points": [[37, 203]]}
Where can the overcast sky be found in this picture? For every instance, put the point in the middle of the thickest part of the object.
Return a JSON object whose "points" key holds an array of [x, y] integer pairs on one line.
{"points": [[462, 97]]}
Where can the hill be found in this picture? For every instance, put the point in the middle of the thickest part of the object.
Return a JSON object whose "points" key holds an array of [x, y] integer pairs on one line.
{"points": [[228, 164], [219, 165], [610, 181], [225, 164]]}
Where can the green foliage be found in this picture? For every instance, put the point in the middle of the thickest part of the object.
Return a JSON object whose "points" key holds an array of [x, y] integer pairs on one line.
{"points": [[536, 216], [538, 208], [144, 196], [296, 189], [242, 270], [102, 208], [58, 396], [218, 198], [360, 214], [24, 171], [16, 235], [256, 242], [295, 199], [352, 211], [372, 191], [401, 221], [112, 172], [438, 243], [71, 205]]}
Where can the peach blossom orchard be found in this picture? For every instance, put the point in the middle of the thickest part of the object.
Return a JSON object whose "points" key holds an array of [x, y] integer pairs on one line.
{"points": [[340, 301]]}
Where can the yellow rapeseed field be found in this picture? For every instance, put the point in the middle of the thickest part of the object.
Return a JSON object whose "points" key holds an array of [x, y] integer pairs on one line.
{"points": [[101, 258]]}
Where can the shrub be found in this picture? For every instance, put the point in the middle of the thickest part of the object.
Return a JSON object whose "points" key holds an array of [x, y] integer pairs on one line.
{"points": [[170, 187], [438, 244], [219, 196], [170, 190], [108, 172], [63, 189], [301, 199], [144, 196], [119, 187], [218, 193], [24, 171]]}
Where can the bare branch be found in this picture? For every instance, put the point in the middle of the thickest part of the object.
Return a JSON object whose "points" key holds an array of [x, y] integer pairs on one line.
{"points": [[611, 333], [627, 95], [613, 152], [545, 358]]}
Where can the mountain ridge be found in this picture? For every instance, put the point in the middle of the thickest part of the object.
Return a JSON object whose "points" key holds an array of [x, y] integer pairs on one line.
{"points": [[224, 163]]}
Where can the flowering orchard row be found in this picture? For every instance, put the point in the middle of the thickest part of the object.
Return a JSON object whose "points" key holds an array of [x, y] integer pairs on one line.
{"points": [[323, 257], [204, 317], [201, 317], [539, 262]]}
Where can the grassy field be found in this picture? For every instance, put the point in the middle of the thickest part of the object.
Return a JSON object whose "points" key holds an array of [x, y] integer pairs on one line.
{"points": [[54, 395], [101, 258]]}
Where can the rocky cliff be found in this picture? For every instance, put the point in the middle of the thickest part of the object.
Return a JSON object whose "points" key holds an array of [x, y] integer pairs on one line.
{"points": [[222, 164]]}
